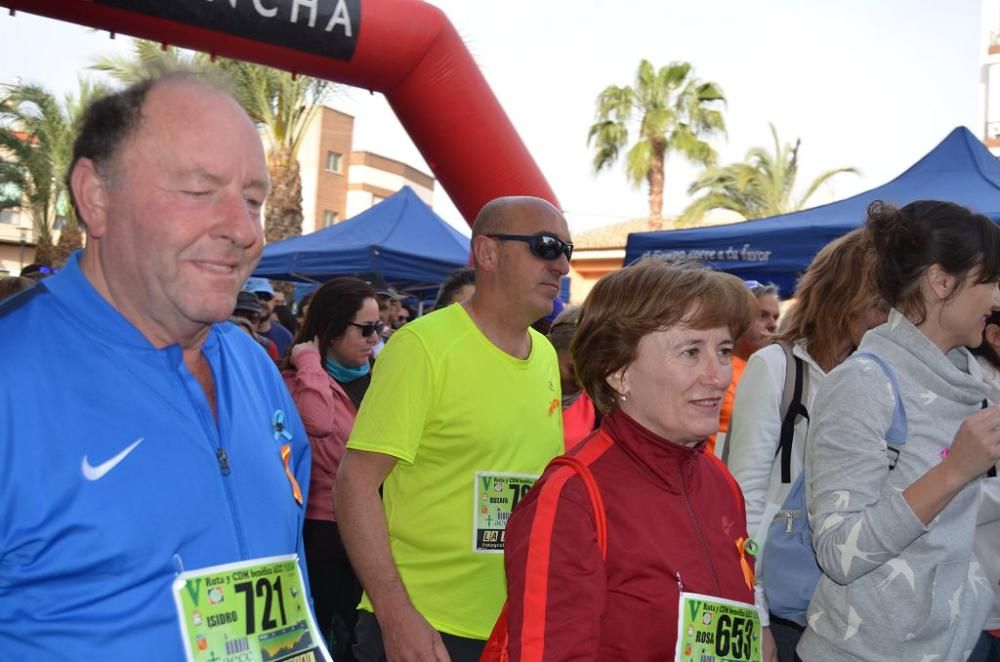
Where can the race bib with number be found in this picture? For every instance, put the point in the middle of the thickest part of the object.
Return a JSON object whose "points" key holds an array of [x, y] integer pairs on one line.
{"points": [[496, 494], [714, 629], [251, 611]]}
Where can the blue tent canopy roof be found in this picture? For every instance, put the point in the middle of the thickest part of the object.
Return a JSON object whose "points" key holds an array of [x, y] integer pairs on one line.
{"points": [[400, 238], [778, 249]]}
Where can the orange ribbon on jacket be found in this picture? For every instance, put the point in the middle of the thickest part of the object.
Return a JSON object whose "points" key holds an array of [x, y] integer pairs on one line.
{"points": [[286, 456], [748, 575]]}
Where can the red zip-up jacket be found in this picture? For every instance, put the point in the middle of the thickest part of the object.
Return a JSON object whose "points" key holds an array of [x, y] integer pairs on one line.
{"points": [[672, 518]]}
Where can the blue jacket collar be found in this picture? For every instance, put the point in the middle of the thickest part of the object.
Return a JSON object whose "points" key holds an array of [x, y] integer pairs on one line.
{"points": [[81, 300]]}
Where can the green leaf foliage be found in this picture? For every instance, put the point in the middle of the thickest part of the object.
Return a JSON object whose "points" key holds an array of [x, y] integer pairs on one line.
{"points": [[760, 186], [665, 111]]}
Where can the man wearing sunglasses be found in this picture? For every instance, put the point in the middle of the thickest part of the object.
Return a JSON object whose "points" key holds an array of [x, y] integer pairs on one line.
{"points": [[462, 415]]}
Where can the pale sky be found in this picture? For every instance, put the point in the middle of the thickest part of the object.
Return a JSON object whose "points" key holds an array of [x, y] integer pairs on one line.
{"points": [[873, 84]]}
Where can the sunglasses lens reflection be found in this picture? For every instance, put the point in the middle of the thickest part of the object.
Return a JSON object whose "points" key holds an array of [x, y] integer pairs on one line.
{"points": [[550, 248]]}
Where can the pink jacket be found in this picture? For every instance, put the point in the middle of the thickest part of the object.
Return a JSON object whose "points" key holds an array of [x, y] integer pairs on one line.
{"points": [[328, 415]]}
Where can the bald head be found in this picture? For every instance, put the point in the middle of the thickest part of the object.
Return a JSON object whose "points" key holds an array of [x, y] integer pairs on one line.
{"points": [[505, 215]]}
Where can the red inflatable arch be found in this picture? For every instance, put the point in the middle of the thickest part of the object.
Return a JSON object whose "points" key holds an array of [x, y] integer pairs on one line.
{"points": [[405, 49]]}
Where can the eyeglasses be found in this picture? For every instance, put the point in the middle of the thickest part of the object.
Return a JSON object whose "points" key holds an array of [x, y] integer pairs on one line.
{"points": [[753, 284], [264, 295], [369, 328], [543, 246]]}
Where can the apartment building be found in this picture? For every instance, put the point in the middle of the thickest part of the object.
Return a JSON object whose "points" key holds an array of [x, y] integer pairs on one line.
{"points": [[989, 85]]}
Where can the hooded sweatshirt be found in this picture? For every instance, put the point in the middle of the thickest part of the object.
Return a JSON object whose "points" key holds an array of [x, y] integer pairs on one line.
{"points": [[892, 589]]}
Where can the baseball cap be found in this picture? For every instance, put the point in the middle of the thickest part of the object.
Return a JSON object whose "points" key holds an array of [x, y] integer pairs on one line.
{"points": [[391, 293], [248, 301], [258, 285]]}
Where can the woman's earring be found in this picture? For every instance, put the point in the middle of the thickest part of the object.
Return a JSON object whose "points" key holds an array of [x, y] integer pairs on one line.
{"points": [[624, 397]]}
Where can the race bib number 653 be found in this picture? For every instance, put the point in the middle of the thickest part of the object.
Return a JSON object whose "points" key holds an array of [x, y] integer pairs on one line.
{"points": [[711, 629]]}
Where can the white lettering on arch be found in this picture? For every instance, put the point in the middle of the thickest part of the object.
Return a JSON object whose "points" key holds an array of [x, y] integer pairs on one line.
{"points": [[340, 17]]}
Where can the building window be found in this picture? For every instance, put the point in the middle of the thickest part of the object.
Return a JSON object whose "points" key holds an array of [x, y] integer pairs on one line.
{"points": [[8, 217], [329, 218], [333, 162]]}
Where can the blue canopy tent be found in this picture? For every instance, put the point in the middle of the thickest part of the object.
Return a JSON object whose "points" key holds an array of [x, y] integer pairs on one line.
{"points": [[778, 249], [400, 238]]}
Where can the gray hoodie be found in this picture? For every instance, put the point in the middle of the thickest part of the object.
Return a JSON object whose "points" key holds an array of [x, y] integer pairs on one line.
{"points": [[892, 589]]}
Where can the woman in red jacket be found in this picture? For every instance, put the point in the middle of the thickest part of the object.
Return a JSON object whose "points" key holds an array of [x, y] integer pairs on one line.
{"points": [[653, 350], [328, 370]]}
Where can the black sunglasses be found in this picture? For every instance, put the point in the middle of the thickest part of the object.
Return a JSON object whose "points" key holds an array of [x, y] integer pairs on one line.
{"points": [[369, 328], [543, 246]]}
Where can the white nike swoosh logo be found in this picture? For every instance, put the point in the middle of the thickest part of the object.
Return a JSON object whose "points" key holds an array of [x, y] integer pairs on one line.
{"points": [[91, 472]]}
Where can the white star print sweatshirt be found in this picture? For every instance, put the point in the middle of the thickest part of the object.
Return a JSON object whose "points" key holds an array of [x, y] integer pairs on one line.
{"points": [[892, 588]]}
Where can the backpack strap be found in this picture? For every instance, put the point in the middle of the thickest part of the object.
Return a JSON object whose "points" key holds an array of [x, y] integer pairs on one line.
{"points": [[497, 647], [897, 428], [791, 408], [895, 437], [596, 502]]}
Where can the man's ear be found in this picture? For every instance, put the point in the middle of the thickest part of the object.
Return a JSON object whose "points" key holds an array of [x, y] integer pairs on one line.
{"points": [[91, 195], [939, 282], [485, 253]]}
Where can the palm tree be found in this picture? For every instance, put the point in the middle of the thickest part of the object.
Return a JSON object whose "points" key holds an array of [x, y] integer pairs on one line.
{"points": [[674, 110], [759, 187], [36, 139], [281, 103]]}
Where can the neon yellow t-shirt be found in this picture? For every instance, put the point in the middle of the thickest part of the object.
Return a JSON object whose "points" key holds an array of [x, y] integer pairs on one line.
{"points": [[473, 427]]}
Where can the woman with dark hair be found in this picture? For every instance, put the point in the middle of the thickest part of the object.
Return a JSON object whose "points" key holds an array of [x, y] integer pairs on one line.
{"points": [[653, 349], [895, 453], [457, 288], [327, 371], [836, 303]]}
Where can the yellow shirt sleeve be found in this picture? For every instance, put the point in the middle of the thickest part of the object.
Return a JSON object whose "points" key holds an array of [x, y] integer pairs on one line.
{"points": [[394, 410]]}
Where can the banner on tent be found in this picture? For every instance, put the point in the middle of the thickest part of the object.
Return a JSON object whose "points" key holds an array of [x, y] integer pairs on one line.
{"points": [[744, 253]]}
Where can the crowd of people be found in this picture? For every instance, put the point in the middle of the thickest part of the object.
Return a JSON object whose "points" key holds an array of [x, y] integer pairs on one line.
{"points": [[504, 478]]}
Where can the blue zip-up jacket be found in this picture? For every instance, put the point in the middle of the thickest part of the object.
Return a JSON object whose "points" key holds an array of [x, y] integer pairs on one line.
{"points": [[114, 476]]}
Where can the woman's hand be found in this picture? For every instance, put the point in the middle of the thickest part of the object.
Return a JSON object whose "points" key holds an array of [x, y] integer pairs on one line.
{"points": [[974, 450], [976, 446], [303, 346]]}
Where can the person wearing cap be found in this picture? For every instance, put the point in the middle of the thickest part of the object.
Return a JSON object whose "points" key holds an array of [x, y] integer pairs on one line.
{"points": [[759, 335], [145, 445], [248, 309], [269, 327], [462, 415]]}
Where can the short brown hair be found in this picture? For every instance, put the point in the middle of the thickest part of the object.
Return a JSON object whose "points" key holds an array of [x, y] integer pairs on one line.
{"points": [[835, 292], [653, 294]]}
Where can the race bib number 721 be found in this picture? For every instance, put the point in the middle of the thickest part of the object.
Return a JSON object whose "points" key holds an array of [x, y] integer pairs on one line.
{"points": [[252, 610]]}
